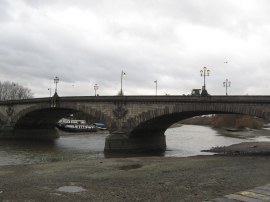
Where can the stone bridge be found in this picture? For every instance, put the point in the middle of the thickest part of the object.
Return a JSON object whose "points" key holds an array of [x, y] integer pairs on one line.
{"points": [[136, 123]]}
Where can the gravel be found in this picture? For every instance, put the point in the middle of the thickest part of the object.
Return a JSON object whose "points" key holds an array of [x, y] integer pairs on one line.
{"points": [[135, 179]]}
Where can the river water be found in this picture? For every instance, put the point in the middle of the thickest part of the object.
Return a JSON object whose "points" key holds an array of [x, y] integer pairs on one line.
{"points": [[187, 140]]}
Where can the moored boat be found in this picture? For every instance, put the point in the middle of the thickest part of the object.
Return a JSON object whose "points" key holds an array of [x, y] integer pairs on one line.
{"points": [[77, 127], [100, 126]]}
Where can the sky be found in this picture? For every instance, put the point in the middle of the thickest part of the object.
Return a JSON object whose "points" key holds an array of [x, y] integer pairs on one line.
{"points": [[88, 42]]}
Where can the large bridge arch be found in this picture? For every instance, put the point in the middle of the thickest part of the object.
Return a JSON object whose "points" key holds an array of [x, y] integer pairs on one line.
{"points": [[38, 121], [158, 120], [35, 114], [146, 130]]}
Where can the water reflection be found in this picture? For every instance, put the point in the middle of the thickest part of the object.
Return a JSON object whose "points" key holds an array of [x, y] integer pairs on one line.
{"points": [[127, 155], [187, 140], [66, 148]]}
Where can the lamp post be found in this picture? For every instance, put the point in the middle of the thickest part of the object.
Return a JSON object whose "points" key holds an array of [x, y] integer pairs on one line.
{"points": [[226, 84], [122, 75], [156, 86], [96, 88], [56, 81], [204, 72], [50, 89]]}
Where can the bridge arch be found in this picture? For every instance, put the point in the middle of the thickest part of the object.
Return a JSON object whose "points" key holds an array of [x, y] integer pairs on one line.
{"points": [[158, 120], [145, 131], [39, 121], [30, 109], [46, 116]]}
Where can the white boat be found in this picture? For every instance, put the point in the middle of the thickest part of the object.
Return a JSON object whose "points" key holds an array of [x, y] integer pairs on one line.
{"points": [[77, 127]]}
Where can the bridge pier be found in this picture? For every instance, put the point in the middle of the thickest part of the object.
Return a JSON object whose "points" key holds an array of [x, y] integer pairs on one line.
{"points": [[120, 142]]}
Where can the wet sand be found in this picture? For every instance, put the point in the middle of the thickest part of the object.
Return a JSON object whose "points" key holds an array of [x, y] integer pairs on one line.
{"points": [[134, 179], [243, 149]]}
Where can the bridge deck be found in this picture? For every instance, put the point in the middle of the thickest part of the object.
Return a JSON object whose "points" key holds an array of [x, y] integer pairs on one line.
{"points": [[258, 194], [144, 98]]}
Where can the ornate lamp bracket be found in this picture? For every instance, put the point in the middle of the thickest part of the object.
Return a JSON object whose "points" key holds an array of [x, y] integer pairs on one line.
{"points": [[10, 110], [120, 112]]}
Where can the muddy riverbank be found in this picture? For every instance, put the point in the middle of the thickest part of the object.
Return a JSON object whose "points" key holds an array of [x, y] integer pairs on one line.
{"points": [[244, 148], [134, 179]]}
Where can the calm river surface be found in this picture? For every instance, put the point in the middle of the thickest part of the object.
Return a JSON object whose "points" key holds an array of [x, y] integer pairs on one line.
{"points": [[187, 140]]}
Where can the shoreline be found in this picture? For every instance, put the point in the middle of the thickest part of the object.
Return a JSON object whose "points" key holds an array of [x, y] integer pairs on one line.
{"points": [[243, 149]]}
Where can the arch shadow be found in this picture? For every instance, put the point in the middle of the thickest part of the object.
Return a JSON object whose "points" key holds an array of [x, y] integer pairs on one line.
{"points": [[40, 121]]}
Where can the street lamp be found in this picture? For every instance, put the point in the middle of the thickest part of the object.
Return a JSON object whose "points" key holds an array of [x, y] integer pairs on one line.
{"points": [[156, 86], [96, 88], [56, 81], [50, 89], [204, 72], [122, 75], [226, 84]]}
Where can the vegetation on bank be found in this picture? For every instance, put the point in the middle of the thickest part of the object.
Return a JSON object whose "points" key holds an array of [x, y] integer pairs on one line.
{"points": [[227, 121], [14, 91]]}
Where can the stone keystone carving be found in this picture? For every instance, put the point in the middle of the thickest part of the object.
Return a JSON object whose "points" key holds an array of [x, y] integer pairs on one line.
{"points": [[120, 112], [10, 110]]}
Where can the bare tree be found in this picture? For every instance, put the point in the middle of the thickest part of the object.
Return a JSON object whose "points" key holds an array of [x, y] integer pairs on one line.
{"points": [[14, 91]]}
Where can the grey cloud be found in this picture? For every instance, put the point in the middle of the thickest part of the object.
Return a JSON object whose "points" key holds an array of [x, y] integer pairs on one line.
{"points": [[4, 10], [149, 40]]}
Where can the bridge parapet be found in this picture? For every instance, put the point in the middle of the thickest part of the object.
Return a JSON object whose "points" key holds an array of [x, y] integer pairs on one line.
{"points": [[147, 99]]}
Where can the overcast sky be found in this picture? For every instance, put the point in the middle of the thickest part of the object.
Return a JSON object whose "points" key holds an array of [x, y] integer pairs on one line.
{"points": [[85, 42]]}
